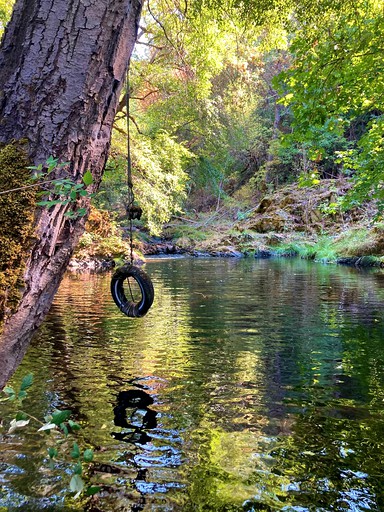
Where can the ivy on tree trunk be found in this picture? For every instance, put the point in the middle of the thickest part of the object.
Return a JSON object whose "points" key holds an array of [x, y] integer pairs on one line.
{"points": [[62, 68]]}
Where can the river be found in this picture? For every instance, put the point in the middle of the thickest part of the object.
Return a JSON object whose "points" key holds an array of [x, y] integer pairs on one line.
{"points": [[250, 385]]}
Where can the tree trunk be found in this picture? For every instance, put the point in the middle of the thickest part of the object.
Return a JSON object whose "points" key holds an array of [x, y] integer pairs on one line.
{"points": [[62, 67]]}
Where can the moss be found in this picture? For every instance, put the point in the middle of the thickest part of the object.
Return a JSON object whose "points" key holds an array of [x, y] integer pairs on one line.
{"points": [[17, 222]]}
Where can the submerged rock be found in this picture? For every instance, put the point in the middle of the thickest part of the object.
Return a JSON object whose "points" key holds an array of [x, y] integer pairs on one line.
{"points": [[362, 261]]}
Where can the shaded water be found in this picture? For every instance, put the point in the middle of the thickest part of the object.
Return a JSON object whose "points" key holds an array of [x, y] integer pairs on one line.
{"points": [[250, 385]]}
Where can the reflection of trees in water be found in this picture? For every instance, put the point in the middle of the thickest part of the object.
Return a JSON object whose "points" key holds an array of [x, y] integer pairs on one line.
{"points": [[243, 349], [287, 312], [307, 350], [334, 460]]}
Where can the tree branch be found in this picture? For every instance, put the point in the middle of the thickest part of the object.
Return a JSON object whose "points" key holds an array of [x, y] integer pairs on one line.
{"points": [[123, 132], [142, 98], [151, 45]]}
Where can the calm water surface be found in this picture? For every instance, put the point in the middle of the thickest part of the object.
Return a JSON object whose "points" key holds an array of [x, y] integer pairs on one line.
{"points": [[250, 385]]}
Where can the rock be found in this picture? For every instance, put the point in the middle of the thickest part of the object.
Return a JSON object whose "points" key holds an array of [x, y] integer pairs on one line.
{"points": [[90, 265], [287, 200], [264, 205], [268, 223], [362, 261], [162, 248], [227, 252], [200, 254], [263, 254]]}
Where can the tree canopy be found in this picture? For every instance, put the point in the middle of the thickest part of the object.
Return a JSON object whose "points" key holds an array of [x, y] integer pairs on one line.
{"points": [[225, 94]]}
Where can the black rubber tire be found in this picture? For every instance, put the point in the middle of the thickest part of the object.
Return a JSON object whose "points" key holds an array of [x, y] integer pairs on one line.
{"points": [[128, 307]]}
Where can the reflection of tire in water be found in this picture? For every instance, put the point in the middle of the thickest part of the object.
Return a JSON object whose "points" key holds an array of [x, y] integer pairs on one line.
{"points": [[152, 445], [135, 399], [136, 283]]}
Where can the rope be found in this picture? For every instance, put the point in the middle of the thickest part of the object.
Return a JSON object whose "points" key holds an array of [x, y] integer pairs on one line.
{"points": [[131, 195]]}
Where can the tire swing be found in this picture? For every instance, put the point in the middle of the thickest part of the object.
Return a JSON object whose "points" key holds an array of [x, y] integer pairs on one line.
{"points": [[132, 307], [133, 277]]}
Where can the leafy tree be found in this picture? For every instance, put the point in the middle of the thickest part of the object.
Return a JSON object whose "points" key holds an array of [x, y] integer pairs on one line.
{"points": [[204, 77], [6, 7], [334, 82], [158, 176]]}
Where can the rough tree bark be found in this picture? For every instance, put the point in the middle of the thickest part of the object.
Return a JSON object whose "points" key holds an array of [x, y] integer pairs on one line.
{"points": [[62, 67]]}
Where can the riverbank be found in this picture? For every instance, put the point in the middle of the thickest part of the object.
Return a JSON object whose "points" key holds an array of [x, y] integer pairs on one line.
{"points": [[290, 222], [293, 221]]}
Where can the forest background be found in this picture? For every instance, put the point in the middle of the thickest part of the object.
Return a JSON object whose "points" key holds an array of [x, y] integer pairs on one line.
{"points": [[249, 134]]}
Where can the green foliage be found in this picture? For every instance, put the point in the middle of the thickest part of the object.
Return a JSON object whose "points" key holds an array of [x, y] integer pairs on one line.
{"points": [[333, 83], [63, 190], [102, 239], [247, 11], [60, 423], [309, 180], [159, 163], [366, 161], [353, 242], [159, 177], [204, 80], [6, 7]]}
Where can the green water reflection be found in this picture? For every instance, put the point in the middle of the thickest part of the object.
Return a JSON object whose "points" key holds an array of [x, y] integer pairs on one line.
{"points": [[264, 382]]}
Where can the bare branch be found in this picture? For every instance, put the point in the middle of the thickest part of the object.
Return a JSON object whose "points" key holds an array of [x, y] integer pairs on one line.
{"points": [[142, 98], [123, 132], [135, 123], [151, 45]]}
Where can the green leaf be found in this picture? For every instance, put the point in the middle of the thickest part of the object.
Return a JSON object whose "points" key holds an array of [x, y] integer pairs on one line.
{"points": [[26, 382], [64, 428], [8, 390], [52, 452], [88, 178], [88, 455], [21, 416], [78, 469], [76, 484], [35, 168], [58, 417], [70, 215], [94, 489], [75, 452], [21, 395], [51, 163], [74, 426], [49, 203]]}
